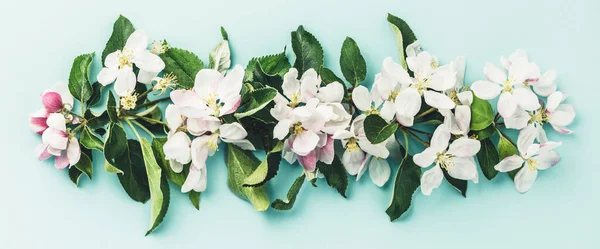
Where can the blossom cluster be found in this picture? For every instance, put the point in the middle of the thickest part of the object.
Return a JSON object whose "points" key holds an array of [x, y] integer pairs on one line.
{"points": [[167, 112]]}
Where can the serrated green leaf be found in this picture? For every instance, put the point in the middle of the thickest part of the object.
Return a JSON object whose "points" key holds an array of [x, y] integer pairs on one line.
{"points": [[183, 64], [271, 65], [280, 204], [352, 63], [267, 169], [240, 164], [404, 36], [194, 198], [482, 114], [255, 101], [328, 76], [259, 76], [407, 180], [335, 174], [460, 185], [488, 158], [157, 147], [134, 178], [90, 141], [96, 120], [79, 78], [96, 94], [506, 149], [111, 108], [308, 51], [377, 130], [122, 29], [220, 57], [159, 188], [84, 165]]}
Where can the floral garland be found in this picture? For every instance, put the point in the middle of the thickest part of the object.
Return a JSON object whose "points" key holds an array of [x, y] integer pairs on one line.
{"points": [[301, 112]]}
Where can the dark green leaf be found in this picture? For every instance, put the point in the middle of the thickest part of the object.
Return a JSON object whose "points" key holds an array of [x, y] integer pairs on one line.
{"points": [[115, 143], [352, 63], [134, 178], [259, 76], [96, 94], [486, 133], [291, 195], [255, 101], [404, 36], [96, 121], [224, 34], [377, 130], [327, 76], [408, 179], [194, 198], [240, 164], [74, 175], [157, 147], [122, 29], [79, 78], [271, 65], [183, 64], [308, 51], [482, 114], [90, 141], [488, 158], [460, 185], [267, 169], [335, 174], [85, 165], [111, 108]]}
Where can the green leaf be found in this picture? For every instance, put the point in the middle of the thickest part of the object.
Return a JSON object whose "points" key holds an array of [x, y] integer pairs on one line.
{"points": [[96, 120], [404, 36], [111, 169], [220, 57], [157, 147], [111, 108], [328, 76], [255, 101], [74, 175], [335, 174], [240, 164], [183, 64], [115, 143], [122, 29], [259, 76], [84, 165], [377, 130], [486, 133], [159, 188], [134, 179], [506, 149], [460, 185], [224, 34], [267, 169], [482, 114], [308, 51], [291, 195], [90, 141], [488, 158], [276, 64], [352, 63], [194, 198], [96, 94], [79, 78], [408, 179]]}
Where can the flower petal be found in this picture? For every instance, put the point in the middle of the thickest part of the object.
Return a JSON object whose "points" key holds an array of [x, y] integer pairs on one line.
{"points": [[486, 90], [425, 158], [525, 178], [494, 74], [507, 105], [377, 150], [326, 152], [331, 93], [547, 160], [464, 147], [518, 120], [125, 81], [177, 148], [190, 103], [440, 138], [509, 163], [291, 84], [52, 101], [379, 171], [438, 100], [107, 75], [192, 179], [199, 151], [148, 62], [309, 161], [408, 102], [173, 117], [465, 98], [233, 131], [526, 99], [305, 143], [563, 115], [526, 137], [137, 41], [282, 129], [388, 110], [41, 152], [431, 179], [395, 71], [462, 115], [463, 169], [207, 81], [352, 160], [73, 151], [361, 98], [61, 162]]}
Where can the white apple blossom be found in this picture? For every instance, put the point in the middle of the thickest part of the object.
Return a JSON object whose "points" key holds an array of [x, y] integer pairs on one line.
{"points": [[514, 88], [457, 159], [458, 121], [330, 106], [361, 154], [59, 142], [119, 64], [532, 157]]}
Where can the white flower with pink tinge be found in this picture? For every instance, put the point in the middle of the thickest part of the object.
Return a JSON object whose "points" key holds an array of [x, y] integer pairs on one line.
{"points": [[119, 64], [361, 154], [532, 157], [513, 88], [457, 159], [55, 100], [59, 142]]}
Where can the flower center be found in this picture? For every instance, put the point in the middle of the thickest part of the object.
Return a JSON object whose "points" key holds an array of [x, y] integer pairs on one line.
{"points": [[213, 141], [421, 84], [124, 58], [294, 100], [159, 47], [352, 145], [213, 103], [539, 116], [393, 95], [454, 97], [532, 164], [444, 160], [373, 110], [297, 129], [128, 101], [167, 81], [508, 86]]}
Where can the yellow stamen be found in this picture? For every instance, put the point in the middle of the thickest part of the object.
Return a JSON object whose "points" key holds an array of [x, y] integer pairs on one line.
{"points": [[393, 95], [124, 58], [159, 47], [128, 101], [213, 141], [212, 102], [444, 160], [532, 164], [373, 110], [297, 129], [294, 100], [508, 86], [167, 81], [352, 145]]}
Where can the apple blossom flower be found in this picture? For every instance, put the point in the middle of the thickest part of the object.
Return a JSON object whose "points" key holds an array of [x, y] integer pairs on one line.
{"points": [[388, 84], [457, 159], [128, 101], [514, 88], [119, 64], [59, 142], [361, 154], [545, 85], [55, 100], [458, 121], [532, 157], [165, 82], [330, 106]]}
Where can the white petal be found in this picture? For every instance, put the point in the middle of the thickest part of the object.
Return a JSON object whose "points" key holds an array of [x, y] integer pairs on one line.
{"points": [[177, 167], [137, 41], [444, 78], [486, 90], [526, 99], [518, 120], [190, 103], [309, 84], [192, 180], [464, 147], [244, 144], [342, 134], [199, 150], [282, 129], [525, 178], [440, 138], [173, 117], [352, 161], [493, 73], [563, 115], [425, 158], [73, 151], [378, 150], [305, 143], [544, 90], [361, 98], [395, 71], [331, 93], [125, 81], [207, 81], [463, 118], [466, 97], [291, 84], [506, 105], [526, 137], [547, 160], [379, 171], [406, 121], [231, 83], [553, 101], [463, 169], [388, 110], [438, 100], [431, 179], [509, 163], [107, 75], [148, 62], [408, 102], [201, 185], [112, 60], [177, 148], [233, 131], [56, 121], [65, 95], [146, 77]]}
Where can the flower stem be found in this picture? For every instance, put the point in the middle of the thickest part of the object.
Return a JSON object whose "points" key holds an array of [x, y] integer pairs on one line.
{"points": [[145, 93], [151, 120], [430, 110], [151, 102], [75, 114], [417, 138], [142, 127], [419, 131], [134, 129]]}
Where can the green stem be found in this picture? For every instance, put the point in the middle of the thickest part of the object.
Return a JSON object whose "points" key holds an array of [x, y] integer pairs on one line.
{"points": [[417, 138], [143, 128], [75, 114], [134, 129], [419, 131], [78, 127], [146, 92], [151, 102], [497, 117], [153, 121], [430, 110], [507, 138]]}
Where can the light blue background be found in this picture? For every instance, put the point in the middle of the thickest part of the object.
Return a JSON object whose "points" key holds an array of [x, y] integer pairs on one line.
{"points": [[41, 208]]}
